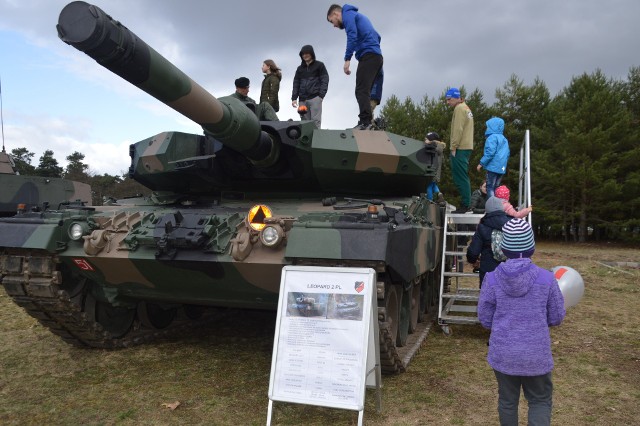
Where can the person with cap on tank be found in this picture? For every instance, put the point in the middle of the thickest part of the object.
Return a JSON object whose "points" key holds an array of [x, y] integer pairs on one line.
{"points": [[310, 85], [518, 302], [460, 146], [364, 41], [264, 111], [432, 138]]}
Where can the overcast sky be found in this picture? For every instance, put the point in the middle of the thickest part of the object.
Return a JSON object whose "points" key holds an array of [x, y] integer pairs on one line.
{"points": [[55, 97]]}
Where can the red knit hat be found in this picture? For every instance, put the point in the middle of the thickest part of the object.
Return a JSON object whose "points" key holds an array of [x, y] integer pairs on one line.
{"points": [[502, 192]]}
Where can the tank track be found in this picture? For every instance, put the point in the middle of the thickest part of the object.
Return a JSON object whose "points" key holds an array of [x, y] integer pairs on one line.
{"points": [[33, 282], [394, 359]]}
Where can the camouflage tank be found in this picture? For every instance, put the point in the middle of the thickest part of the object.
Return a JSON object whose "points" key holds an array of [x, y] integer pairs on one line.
{"points": [[25, 193], [230, 208]]}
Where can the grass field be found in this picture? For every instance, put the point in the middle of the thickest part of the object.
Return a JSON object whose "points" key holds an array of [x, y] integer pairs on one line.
{"points": [[219, 373]]}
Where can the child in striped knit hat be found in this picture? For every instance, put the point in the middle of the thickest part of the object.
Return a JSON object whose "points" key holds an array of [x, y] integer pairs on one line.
{"points": [[503, 193], [518, 302]]}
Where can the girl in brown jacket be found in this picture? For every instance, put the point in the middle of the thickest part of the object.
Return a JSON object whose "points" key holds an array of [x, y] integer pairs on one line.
{"points": [[271, 84]]}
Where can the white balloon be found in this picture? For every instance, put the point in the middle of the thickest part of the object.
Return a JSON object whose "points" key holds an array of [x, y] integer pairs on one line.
{"points": [[571, 285]]}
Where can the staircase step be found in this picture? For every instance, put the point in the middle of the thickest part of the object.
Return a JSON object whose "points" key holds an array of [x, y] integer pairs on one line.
{"points": [[455, 319], [461, 274], [464, 219], [467, 290], [462, 233], [458, 296]]}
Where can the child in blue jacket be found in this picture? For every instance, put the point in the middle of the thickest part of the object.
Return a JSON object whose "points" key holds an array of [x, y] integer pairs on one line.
{"points": [[496, 154]]}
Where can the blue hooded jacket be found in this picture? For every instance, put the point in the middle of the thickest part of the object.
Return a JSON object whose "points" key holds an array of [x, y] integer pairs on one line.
{"points": [[361, 36], [496, 147]]}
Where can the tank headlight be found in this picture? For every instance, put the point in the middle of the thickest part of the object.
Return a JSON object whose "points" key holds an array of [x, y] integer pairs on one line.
{"points": [[271, 235], [257, 216], [76, 231]]}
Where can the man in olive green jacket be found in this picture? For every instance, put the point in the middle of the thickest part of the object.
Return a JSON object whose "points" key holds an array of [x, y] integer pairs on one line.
{"points": [[264, 111], [461, 145]]}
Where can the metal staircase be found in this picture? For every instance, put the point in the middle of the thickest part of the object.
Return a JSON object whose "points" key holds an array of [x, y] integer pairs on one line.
{"points": [[459, 288]]}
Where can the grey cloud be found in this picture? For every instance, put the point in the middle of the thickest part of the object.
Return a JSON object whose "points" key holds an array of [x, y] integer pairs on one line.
{"points": [[427, 45]]}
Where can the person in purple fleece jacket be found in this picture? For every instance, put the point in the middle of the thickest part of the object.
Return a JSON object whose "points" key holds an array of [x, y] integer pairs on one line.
{"points": [[518, 302]]}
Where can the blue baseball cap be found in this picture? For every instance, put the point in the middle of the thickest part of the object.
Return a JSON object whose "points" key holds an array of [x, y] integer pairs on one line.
{"points": [[452, 93]]}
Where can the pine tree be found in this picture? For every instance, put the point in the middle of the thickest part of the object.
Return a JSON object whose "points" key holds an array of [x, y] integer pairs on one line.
{"points": [[591, 124], [22, 159], [48, 166], [76, 169]]}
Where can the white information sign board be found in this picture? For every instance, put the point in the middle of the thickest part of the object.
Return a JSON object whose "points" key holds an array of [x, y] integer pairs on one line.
{"points": [[326, 338]]}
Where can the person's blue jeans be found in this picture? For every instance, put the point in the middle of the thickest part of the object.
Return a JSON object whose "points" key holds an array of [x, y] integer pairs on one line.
{"points": [[538, 390], [493, 181], [432, 188]]}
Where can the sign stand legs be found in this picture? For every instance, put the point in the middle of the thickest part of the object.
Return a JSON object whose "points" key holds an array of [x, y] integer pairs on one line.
{"points": [[269, 412], [326, 342]]}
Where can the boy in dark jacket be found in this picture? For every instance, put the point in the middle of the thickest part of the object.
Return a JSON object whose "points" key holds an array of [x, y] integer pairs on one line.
{"points": [[310, 85], [519, 301], [480, 247]]}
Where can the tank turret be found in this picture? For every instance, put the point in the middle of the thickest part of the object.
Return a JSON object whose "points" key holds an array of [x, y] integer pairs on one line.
{"points": [[25, 193], [237, 152]]}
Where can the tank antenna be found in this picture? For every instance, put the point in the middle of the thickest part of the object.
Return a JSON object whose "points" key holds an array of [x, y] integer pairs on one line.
{"points": [[1, 119]]}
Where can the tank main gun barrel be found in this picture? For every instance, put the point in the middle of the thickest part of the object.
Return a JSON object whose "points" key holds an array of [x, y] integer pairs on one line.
{"points": [[90, 30]]}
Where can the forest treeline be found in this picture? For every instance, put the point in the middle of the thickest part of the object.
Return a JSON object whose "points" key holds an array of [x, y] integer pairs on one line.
{"points": [[103, 186], [585, 152]]}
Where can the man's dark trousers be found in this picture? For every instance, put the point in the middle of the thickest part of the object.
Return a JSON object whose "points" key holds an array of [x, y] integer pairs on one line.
{"points": [[369, 65]]}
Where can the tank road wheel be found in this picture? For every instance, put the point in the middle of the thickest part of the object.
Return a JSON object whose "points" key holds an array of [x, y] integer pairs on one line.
{"points": [[405, 315], [426, 290], [74, 286], [431, 291], [415, 305], [78, 309], [114, 319], [435, 284], [193, 312], [392, 309], [155, 316]]}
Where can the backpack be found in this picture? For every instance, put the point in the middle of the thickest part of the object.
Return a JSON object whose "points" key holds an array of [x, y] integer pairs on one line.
{"points": [[496, 240]]}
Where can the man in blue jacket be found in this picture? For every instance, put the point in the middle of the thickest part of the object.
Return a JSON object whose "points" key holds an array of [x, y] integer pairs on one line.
{"points": [[364, 41]]}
